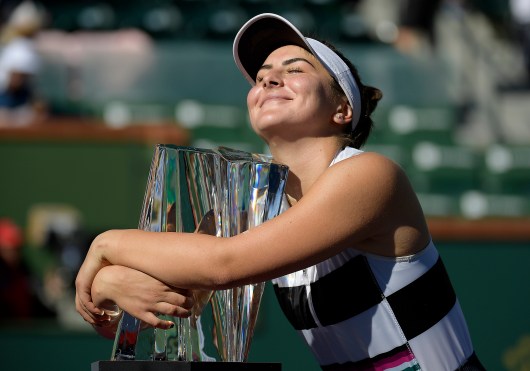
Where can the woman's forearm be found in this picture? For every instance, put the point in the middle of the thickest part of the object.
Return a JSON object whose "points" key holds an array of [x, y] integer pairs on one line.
{"points": [[178, 259]]}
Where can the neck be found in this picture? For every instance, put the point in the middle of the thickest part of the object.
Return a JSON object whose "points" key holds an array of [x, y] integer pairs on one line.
{"points": [[307, 160]]}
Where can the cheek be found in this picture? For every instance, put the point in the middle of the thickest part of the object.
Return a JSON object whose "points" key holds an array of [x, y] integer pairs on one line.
{"points": [[252, 97], [310, 89], [252, 101]]}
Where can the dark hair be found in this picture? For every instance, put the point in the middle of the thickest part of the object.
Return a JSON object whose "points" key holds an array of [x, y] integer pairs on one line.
{"points": [[370, 96]]}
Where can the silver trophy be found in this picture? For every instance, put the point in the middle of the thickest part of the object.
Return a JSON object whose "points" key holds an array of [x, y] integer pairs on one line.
{"points": [[221, 192]]}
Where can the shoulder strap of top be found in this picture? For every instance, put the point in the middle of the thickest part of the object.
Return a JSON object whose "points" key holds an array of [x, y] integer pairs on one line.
{"points": [[345, 153]]}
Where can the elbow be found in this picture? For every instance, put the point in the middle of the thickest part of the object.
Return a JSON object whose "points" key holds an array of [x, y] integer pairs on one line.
{"points": [[221, 277], [220, 283], [224, 270]]}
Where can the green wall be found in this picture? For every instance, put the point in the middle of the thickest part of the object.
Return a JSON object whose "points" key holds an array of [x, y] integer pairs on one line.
{"points": [[492, 282], [105, 181]]}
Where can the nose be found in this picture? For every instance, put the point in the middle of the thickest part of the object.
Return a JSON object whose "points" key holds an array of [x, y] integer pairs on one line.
{"points": [[271, 79]]}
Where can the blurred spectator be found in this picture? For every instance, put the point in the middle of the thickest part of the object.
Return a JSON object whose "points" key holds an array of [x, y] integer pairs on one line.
{"points": [[520, 11], [19, 63], [17, 297], [416, 24], [56, 245]]}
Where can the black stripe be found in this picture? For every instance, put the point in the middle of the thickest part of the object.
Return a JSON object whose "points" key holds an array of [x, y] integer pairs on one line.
{"points": [[345, 292], [365, 364], [294, 304], [341, 294], [421, 304], [472, 364]]}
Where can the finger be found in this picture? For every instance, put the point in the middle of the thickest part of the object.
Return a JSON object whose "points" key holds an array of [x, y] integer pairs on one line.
{"points": [[172, 310], [154, 321], [85, 299], [186, 302], [88, 315], [82, 310], [185, 292], [95, 319], [95, 313]]}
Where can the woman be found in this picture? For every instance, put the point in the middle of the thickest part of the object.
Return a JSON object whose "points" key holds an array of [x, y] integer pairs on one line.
{"points": [[19, 65], [351, 258]]}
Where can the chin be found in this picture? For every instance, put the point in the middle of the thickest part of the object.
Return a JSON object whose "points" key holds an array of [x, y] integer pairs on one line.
{"points": [[265, 129]]}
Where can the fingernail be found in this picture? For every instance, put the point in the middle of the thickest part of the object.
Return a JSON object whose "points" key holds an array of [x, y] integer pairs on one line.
{"points": [[171, 325]]}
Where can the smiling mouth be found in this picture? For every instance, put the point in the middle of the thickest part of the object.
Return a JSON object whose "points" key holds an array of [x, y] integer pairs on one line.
{"points": [[273, 99]]}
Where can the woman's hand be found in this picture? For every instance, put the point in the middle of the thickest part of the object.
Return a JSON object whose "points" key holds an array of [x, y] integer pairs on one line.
{"points": [[93, 263], [137, 293]]}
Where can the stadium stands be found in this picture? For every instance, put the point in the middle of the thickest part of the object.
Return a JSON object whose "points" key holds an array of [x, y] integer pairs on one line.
{"points": [[186, 74]]}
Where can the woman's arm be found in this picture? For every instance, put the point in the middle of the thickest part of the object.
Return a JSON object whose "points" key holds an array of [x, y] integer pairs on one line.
{"points": [[354, 203]]}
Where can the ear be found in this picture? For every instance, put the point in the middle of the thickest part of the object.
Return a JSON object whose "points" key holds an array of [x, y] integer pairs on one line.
{"points": [[343, 115]]}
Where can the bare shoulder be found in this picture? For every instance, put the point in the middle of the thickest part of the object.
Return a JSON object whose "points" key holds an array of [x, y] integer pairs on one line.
{"points": [[365, 186], [372, 198], [368, 169], [372, 159]]}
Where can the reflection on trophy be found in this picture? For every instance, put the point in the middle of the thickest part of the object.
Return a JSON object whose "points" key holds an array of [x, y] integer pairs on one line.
{"points": [[220, 192]]}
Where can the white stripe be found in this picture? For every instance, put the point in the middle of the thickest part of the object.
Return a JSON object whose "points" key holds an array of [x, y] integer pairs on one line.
{"points": [[447, 344], [392, 274], [346, 153], [370, 333], [310, 304], [315, 272]]}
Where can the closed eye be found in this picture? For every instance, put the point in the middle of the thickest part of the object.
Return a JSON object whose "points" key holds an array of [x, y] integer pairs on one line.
{"points": [[288, 62], [289, 70], [294, 70]]}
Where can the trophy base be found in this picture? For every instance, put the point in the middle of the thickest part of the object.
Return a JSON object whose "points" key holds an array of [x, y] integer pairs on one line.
{"points": [[182, 366]]}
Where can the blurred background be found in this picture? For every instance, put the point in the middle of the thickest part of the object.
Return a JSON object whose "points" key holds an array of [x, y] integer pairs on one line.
{"points": [[87, 88]]}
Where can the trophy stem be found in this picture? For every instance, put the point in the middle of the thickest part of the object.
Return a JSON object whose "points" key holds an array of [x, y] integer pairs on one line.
{"points": [[160, 350], [126, 338]]}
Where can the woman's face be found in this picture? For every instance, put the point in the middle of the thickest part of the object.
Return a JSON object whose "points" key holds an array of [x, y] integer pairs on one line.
{"points": [[292, 96]]}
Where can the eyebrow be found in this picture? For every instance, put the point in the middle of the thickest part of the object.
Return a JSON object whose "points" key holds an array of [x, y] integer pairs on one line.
{"points": [[286, 63]]}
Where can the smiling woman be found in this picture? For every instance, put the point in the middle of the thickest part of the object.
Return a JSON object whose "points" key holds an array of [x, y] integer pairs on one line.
{"points": [[292, 82], [351, 258]]}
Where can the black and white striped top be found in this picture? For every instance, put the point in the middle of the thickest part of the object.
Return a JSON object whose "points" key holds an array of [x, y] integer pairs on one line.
{"points": [[360, 311]]}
